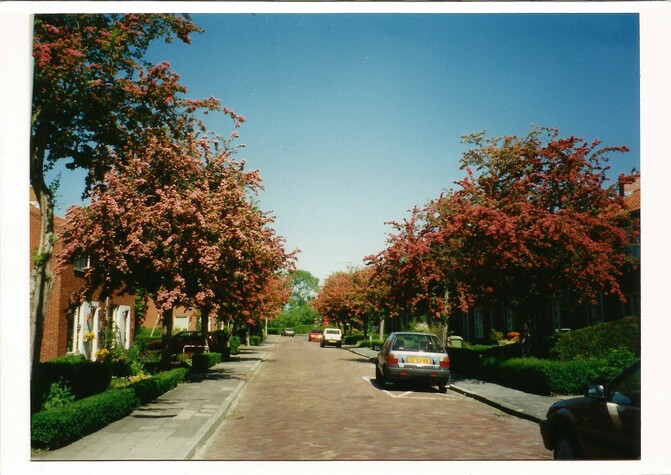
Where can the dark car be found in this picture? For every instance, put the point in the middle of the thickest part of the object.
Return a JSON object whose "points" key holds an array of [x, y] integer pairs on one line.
{"points": [[413, 357], [603, 424], [186, 342]]}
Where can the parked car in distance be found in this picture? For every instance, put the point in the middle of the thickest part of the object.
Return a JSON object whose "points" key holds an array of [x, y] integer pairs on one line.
{"points": [[331, 336], [288, 332], [603, 424], [413, 357], [185, 342], [315, 335]]}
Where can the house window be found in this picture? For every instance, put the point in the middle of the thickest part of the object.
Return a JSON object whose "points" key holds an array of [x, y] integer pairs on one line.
{"points": [[181, 323], [82, 263], [479, 324]]}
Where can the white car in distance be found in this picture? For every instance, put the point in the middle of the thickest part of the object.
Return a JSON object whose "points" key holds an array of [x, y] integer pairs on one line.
{"points": [[331, 336]]}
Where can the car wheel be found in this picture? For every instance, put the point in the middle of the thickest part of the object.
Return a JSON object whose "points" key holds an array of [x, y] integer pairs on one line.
{"points": [[321, 343], [442, 388], [566, 447]]}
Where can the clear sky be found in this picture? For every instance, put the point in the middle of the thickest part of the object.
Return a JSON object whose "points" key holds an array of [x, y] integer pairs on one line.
{"points": [[353, 119]]}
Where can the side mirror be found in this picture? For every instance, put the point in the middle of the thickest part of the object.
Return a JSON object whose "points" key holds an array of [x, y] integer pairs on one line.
{"points": [[596, 391]]}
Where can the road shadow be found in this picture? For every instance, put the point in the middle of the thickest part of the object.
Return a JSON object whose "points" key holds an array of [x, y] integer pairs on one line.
{"points": [[404, 387], [360, 360]]}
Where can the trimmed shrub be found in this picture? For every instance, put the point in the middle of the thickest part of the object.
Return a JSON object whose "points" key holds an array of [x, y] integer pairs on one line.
{"points": [[605, 369], [235, 345], [54, 428], [540, 376], [546, 377], [254, 340], [304, 329], [353, 339], [467, 361], [82, 377], [370, 344], [58, 427], [596, 341], [151, 388], [204, 361]]}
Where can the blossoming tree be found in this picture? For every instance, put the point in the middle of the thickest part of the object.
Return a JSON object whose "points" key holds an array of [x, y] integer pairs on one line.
{"points": [[178, 221], [93, 92], [532, 219]]}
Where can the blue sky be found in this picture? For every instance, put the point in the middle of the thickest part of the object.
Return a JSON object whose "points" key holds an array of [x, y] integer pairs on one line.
{"points": [[353, 119]]}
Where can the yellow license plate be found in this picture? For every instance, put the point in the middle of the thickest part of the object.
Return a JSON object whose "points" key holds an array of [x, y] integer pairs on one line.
{"points": [[419, 359]]}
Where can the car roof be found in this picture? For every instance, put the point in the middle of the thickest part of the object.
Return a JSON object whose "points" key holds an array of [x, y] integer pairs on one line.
{"points": [[411, 333]]}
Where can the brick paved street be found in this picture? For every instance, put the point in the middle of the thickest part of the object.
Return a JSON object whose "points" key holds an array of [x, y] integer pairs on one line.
{"points": [[312, 403]]}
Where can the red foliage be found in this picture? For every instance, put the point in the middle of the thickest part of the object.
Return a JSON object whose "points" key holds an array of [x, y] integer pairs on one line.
{"points": [[532, 219]]}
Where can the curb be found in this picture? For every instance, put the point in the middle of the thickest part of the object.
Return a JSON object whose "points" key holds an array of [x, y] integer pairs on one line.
{"points": [[500, 406], [208, 429], [456, 388], [201, 437]]}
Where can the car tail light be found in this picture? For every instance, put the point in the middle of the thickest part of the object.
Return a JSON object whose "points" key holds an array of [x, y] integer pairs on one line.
{"points": [[445, 362], [391, 359]]}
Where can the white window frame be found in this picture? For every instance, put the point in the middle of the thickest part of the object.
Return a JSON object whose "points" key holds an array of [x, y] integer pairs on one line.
{"points": [[121, 316], [86, 320]]}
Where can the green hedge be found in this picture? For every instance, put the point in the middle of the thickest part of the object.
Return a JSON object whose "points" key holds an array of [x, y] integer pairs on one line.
{"points": [[597, 340], [467, 361], [304, 329], [61, 426], [235, 345], [370, 344], [353, 339], [204, 361], [254, 340], [82, 377], [546, 377]]}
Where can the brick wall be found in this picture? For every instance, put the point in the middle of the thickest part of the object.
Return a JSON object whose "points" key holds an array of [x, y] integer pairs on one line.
{"points": [[56, 334]]}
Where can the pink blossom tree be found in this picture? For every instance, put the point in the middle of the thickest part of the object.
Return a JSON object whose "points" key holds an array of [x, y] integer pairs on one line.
{"points": [[94, 93], [533, 218], [178, 221]]}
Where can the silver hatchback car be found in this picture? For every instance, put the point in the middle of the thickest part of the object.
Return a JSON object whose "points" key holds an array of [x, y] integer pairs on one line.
{"points": [[413, 357]]}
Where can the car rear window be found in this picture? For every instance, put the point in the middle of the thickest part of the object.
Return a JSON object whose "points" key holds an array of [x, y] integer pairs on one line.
{"points": [[337, 332], [428, 343]]}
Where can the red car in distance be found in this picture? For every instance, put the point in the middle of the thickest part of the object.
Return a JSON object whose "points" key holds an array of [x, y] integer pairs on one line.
{"points": [[315, 335]]}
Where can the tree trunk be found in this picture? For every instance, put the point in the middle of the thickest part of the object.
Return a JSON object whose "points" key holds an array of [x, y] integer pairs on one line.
{"points": [[41, 275], [166, 316], [204, 325]]}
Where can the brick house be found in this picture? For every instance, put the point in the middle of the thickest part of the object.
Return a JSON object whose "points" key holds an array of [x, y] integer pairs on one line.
{"points": [[65, 330]]}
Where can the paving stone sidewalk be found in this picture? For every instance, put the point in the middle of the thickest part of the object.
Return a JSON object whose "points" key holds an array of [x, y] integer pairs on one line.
{"points": [[173, 426]]}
